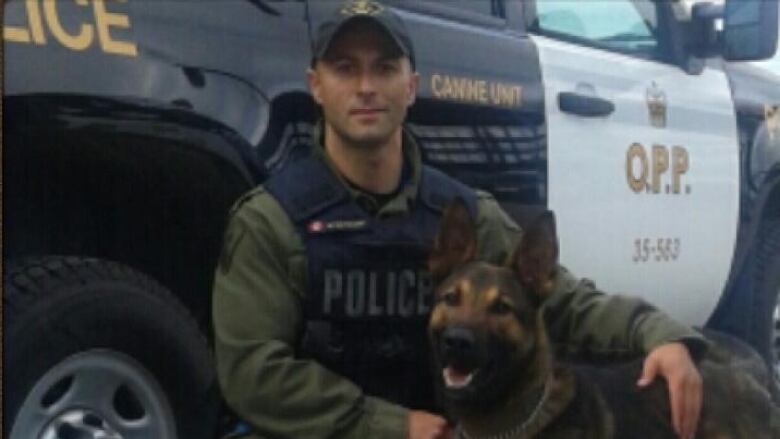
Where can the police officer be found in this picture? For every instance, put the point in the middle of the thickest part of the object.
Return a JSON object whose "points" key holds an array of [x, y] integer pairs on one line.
{"points": [[321, 295]]}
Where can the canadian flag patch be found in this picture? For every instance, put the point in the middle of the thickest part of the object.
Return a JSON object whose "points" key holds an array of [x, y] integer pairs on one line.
{"points": [[316, 226]]}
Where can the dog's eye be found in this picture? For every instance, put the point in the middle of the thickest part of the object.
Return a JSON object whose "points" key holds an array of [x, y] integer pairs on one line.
{"points": [[500, 307], [450, 298]]}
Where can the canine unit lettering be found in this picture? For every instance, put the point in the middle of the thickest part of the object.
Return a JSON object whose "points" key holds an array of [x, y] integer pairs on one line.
{"points": [[499, 378]]}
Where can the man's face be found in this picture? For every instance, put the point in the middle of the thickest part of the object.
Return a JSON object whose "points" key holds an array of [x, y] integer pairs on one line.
{"points": [[364, 85]]}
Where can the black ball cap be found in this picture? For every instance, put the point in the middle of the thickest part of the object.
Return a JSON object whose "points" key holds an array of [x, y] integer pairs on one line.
{"points": [[373, 11]]}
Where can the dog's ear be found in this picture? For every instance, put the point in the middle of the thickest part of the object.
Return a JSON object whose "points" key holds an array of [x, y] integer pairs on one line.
{"points": [[536, 255], [455, 242]]}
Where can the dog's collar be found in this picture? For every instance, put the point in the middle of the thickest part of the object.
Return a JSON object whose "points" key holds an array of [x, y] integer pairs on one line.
{"points": [[546, 409]]}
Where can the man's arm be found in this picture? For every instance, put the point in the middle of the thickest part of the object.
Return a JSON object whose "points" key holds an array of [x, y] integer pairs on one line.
{"points": [[256, 313], [581, 319]]}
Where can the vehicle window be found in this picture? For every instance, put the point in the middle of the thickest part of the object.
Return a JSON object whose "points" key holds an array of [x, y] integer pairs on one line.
{"points": [[491, 8], [487, 7], [622, 25]]}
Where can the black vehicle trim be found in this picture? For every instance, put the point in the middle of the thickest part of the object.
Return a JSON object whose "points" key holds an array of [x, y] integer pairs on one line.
{"points": [[120, 113]]}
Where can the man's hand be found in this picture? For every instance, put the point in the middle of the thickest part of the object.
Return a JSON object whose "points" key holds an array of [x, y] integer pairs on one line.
{"points": [[674, 363], [424, 425]]}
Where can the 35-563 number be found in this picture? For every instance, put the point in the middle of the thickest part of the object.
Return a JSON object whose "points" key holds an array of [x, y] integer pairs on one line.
{"points": [[656, 249]]}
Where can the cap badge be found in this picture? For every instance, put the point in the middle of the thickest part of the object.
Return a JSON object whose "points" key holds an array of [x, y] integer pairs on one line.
{"points": [[361, 7]]}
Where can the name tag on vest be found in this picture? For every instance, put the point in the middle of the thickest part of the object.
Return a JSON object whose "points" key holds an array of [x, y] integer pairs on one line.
{"points": [[318, 226]]}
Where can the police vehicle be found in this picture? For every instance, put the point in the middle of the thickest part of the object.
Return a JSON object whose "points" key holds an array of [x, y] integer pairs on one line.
{"points": [[130, 127]]}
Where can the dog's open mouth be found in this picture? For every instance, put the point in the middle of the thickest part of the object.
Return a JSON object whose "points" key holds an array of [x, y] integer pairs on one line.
{"points": [[455, 378]]}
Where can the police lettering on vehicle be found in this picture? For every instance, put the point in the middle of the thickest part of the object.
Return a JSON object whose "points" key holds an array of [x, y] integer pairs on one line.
{"points": [[644, 171], [79, 29]]}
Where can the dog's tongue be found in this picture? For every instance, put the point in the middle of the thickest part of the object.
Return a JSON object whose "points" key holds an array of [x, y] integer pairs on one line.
{"points": [[455, 378]]}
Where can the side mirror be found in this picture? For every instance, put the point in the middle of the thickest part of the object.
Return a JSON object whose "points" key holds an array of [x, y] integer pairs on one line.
{"points": [[749, 29]]}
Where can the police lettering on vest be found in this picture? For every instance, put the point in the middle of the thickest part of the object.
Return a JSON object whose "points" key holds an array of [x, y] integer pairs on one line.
{"points": [[374, 293]]}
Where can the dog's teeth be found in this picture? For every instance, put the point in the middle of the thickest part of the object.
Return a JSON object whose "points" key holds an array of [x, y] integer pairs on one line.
{"points": [[456, 380]]}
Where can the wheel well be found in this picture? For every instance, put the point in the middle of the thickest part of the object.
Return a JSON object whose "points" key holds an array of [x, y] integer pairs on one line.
{"points": [[771, 208], [156, 205], [734, 313]]}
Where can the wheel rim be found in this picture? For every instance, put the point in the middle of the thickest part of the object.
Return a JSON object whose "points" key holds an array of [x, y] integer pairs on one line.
{"points": [[98, 394]]}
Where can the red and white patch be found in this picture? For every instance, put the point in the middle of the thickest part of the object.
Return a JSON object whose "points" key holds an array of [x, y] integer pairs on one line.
{"points": [[315, 227]]}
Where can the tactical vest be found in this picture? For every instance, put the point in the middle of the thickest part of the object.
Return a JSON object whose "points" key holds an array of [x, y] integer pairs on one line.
{"points": [[369, 293]]}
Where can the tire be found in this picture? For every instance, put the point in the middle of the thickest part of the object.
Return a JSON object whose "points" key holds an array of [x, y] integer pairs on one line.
{"points": [[766, 308], [95, 349]]}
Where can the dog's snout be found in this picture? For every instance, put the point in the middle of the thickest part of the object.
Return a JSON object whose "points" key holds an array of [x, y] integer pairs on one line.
{"points": [[459, 340]]}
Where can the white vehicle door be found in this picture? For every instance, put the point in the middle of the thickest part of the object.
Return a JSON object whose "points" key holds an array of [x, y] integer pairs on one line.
{"points": [[643, 157]]}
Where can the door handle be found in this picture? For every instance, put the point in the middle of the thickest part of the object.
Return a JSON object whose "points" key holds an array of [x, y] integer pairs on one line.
{"points": [[583, 105]]}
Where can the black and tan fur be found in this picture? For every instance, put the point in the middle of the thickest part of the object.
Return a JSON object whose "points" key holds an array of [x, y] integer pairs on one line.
{"points": [[486, 319]]}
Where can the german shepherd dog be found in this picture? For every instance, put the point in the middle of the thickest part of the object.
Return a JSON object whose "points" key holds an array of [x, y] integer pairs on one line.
{"points": [[497, 375]]}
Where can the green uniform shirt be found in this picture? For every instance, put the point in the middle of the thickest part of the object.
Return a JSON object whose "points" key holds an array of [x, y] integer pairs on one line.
{"points": [[258, 292]]}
